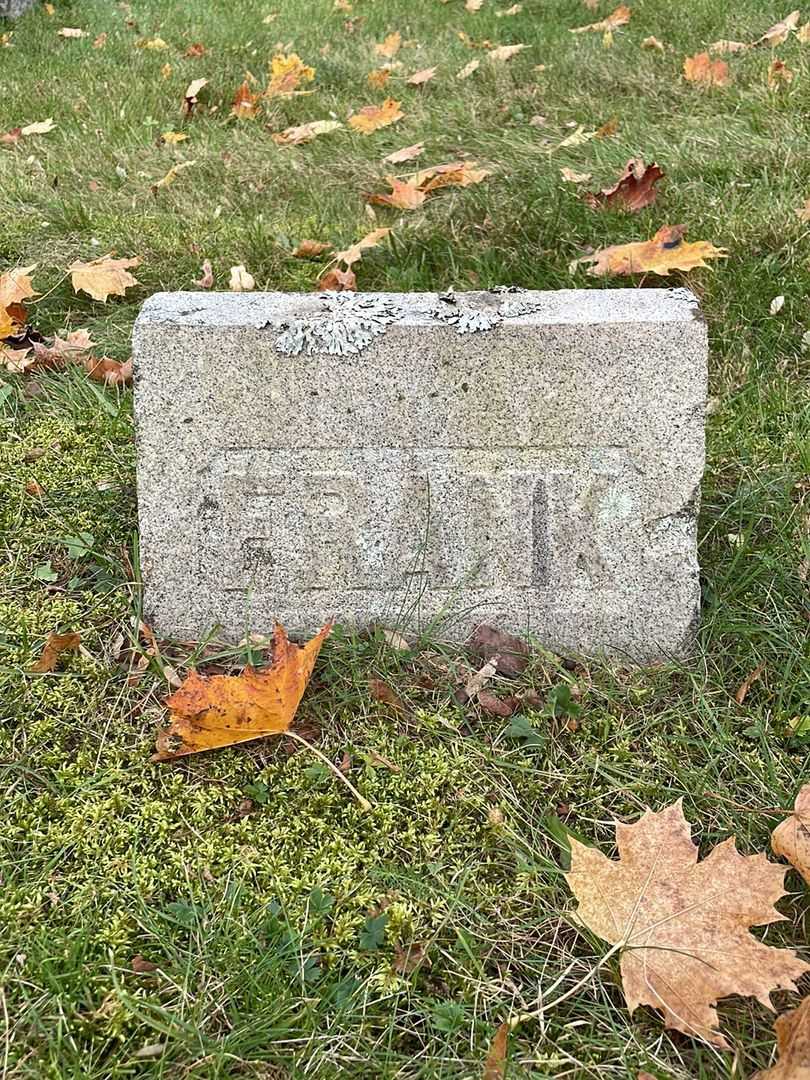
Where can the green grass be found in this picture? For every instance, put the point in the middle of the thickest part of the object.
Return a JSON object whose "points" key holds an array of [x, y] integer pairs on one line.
{"points": [[264, 916]]}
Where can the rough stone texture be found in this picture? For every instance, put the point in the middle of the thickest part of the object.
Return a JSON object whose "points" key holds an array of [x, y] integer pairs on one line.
{"points": [[10, 9], [542, 475]]}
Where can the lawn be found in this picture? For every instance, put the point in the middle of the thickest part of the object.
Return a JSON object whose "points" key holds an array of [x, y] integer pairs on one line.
{"points": [[276, 929]]}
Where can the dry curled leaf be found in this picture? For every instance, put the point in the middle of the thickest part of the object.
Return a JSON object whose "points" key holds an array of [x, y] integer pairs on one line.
{"points": [[634, 189], [505, 52], [700, 68], [779, 75], [379, 78], [619, 17], [468, 69], [223, 710], [172, 138], [407, 153], [241, 280], [171, 175], [792, 1045], [454, 174], [403, 196], [419, 78], [338, 280], [103, 277], [724, 47], [497, 706], [190, 98], [53, 649], [304, 133], [381, 691], [207, 279], [667, 251], [779, 32], [354, 253], [512, 652], [311, 249], [747, 683], [41, 127], [390, 46], [652, 42], [112, 372], [246, 103], [373, 117], [791, 838], [495, 1065], [683, 925], [572, 177]]}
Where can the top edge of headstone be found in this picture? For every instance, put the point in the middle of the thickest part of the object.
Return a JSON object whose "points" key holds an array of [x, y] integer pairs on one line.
{"points": [[561, 306]]}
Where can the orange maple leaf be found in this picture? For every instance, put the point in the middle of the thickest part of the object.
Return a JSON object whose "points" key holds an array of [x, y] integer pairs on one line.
{"points": [[372, 117], [223, 710], [246, 103], [404, 196], [700, 68], [666, 252]]}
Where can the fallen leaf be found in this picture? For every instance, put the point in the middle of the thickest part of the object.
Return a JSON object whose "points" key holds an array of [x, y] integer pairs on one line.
{"points": [[196, 49], [53, 649], [404, 196], [35, 489], [610, 127], [515, 9], [286, 72], [373, 117], [746, 684], [497, 706], [454, 174], [652, 43], [495, 1065], [505, 52], [666, 252], [779, 75], [407, 153], [791, 838], [142, 967], [172, 138], [223, 710], [337, 280], [42, 127], [419, 78], [390, 46], [156, 44], [577, 137], [793, 1046], [634, 189], [166, 71], [15, 361], [103, 277], [477, 680], [71, 32], [112, 372], [61, 351], [803, 33], [172, 175], [408, 959], [207, 279], [572, 177], [381, 691], [700, 68], [776, 305], [468, 69], [803, 213], [620, 17], [241, 280], [190, 97], [246, 104], [303, 133], [12, 137], [379, 78], [512, 652], [311, 249], [724, 47], [16, 286], [354, 253], [779, 32], [473, 5], [682, 925]]}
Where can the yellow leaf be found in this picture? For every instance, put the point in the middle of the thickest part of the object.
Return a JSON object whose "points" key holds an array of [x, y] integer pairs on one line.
{"points": [[683, 925], [354, 253], [156, 44], [407, 153], [241, 280], [620, 17], [779, 32], [403, 196], [7, 324], [166, 71], [103, 277], [468, 69], [577, 137], [16, 286], [379, 78], [419, 78], [701, 69], [171, 138], [390, 47], [294, 136], [505, 52], [666, 252], [42, 127], [172, 175], [373, 117], [286, 72], [793, 1045], [791, 838], [223, 710]]}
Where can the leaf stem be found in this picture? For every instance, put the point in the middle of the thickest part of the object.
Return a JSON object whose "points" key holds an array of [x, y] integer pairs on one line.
{"points": [[366, 805], [521, 1017]]}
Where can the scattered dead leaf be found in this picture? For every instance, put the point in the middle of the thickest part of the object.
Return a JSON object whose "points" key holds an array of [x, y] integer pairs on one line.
{"points": [[779, 32], [241, 280], [792, 1044], [403, 196], [112, 372], [354, 253], [512, 652], [377, 79], [390, 46], [803, 34], [454, 174], [683, 924], [495, 1064], [634, 189], [725, 47], [53, 649], [246, 104], [779, 75], [373, 117], [16, 286], [223, 710], [196, 50], [172, 138], [791, 838], [407, 153], [667, 251], [71, 32], [190, 98], [700, 68], [304, 133], [497, 706], [620, 17], [419, 78], [381, 691], [41, 127], [572, 177], [103, 277], [747, 683], [286, 72], [34, 489], [652, 43], [505, 52], [311, 249], [468, 69], [610, 127], [142, 967], [171, 175], [408, 959], [338, 280]]}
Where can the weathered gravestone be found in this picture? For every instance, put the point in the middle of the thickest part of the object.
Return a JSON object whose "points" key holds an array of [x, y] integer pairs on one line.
{"points": [[10, 9], [527, 459]]}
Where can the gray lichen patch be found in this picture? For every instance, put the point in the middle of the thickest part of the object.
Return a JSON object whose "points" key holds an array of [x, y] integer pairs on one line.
{"points": [[349, 322]]}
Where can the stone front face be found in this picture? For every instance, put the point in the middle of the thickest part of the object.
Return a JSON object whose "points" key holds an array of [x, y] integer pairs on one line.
{"points": [[531, 460], [12, 8]]}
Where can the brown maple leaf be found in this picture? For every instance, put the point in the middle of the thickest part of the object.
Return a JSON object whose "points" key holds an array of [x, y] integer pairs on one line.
{"points": [[103, 277], [682, 926], [667, 251], [454, 174], [793, 1045], [373, 117], [378, 78], [338, 280], [419, 78], [53, 649], [208, 713], [700, 68], [779, 32], [634, 189], [112, 372], [791, 838]]}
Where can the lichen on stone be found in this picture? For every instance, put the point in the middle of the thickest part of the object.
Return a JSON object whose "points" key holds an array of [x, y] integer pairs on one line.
{"points": [[348, 324], [466, 320]]}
